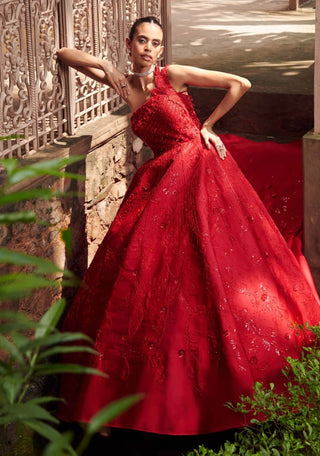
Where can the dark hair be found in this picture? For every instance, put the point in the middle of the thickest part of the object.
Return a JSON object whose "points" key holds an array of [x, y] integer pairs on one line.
{"points": [[149, 19]]}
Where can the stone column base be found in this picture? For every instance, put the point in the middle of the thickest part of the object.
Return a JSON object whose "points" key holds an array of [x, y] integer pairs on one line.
{"points": [[311, 177], [293, 4]]}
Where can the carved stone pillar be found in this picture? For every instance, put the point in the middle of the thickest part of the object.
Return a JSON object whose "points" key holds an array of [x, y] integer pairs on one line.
{"points": [[166, 23], [317, 72], [67, 40], [293, 4], [311, 165]]}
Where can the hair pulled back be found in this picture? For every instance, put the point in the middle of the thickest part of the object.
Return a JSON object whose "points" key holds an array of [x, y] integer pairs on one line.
{"points": [[141, 20]]}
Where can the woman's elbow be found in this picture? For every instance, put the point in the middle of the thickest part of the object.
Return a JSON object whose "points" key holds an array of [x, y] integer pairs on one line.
{"points": [[240, 85], [61, 52], [67, 55], [245, 84]]}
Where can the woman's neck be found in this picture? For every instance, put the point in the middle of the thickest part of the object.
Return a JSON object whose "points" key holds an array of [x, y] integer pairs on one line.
{"points": [[142, 72], [142, 83]]}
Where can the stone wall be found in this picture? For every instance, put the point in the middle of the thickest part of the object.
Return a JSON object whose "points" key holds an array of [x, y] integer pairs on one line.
{"points": [[110, 168], [109, 164]]}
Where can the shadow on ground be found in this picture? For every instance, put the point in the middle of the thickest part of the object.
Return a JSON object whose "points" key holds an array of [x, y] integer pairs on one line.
{"points": [[272, 47], [125, 442]]}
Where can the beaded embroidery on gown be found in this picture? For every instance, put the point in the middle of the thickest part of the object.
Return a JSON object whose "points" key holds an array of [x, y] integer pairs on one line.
{"points": [[193, 294]]}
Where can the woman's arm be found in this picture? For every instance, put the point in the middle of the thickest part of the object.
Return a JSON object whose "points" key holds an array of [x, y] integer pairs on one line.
{"points": [[236, 86], [98, 69]]}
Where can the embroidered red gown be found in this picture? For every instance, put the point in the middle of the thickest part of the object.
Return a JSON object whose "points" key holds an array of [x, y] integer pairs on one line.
{"points": [[193, 294]]}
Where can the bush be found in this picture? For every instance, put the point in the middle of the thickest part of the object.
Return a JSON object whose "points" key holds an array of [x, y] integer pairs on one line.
{"points": [[291, 425], [28, 348]]}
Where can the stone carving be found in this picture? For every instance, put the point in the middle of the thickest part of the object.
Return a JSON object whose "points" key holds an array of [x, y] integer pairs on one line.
{"points": [[33, 90], [15, 102], [31, 100], [50, 94]]}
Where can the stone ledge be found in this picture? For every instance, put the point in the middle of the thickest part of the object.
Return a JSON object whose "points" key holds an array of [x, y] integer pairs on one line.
{"points": [[88, 138], [105, 128]]}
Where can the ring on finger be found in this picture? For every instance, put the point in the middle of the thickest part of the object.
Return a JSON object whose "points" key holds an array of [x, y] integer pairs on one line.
{"points": [[123, 85]]}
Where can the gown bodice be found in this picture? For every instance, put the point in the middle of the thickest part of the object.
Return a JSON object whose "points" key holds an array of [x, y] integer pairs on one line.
{"points": [[167, 118]]}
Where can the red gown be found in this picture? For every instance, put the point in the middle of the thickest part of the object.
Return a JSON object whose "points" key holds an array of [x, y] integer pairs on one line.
{"points": [[193, 294]]}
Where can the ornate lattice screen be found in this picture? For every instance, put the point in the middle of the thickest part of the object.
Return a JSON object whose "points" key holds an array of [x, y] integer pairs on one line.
{"points": [[38, 101], [31, 95]]}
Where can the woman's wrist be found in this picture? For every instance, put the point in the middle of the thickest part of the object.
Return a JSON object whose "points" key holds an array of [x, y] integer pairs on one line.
{"points": [[207, 124], [106, 66]]}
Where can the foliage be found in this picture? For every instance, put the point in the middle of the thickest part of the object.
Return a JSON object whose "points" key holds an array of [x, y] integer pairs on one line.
{"points": [[28, 358], [22, 284], [291, 423], [28, 349]]}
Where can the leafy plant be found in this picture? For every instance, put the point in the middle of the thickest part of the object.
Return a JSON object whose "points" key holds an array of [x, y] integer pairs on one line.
{"points": [[28, 358], [22, 284], [28, 349], [291, 425]]}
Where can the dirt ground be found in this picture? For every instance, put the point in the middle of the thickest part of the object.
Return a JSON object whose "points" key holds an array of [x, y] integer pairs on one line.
{"points": [[261, 40]]}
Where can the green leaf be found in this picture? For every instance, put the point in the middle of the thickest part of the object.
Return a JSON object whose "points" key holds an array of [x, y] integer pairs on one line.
{"points": [[18, 339], [5, 369], [66, 236], [11, 349], [61, 446], [45, 430], [44, 399], [11, 321], [5, 138], [31, 194], [9, 164], [18, 217], [67, 349], [48, 167], [6, 328], [14, 286], [50, 319], [53, 369], [58, 338], [25, 412], [7, 314], [42, 265], [3, 397], [34, 194], [11, 385], [111, 411], [25, 280], [71, 282]]}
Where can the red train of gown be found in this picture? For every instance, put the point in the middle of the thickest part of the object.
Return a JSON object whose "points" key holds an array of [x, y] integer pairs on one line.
{"points": [[193, 294]]}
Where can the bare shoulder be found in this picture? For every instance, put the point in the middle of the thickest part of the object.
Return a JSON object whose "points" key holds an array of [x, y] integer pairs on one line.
{"points": [[183, 75], [177, 75], [178, 71]]}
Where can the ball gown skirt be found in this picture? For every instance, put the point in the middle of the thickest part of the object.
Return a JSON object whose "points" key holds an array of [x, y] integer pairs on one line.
{"points": [[194, 293]]}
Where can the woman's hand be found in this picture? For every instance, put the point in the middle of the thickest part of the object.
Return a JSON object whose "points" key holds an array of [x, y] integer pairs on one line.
{"points": [[116, 79], [210, 137]]}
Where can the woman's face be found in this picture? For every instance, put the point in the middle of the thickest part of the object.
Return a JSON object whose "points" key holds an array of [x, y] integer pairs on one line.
{"points": [[146, 45]]}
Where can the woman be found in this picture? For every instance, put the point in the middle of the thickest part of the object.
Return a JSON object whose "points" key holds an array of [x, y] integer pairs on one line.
{"points": [[194, 294]]}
